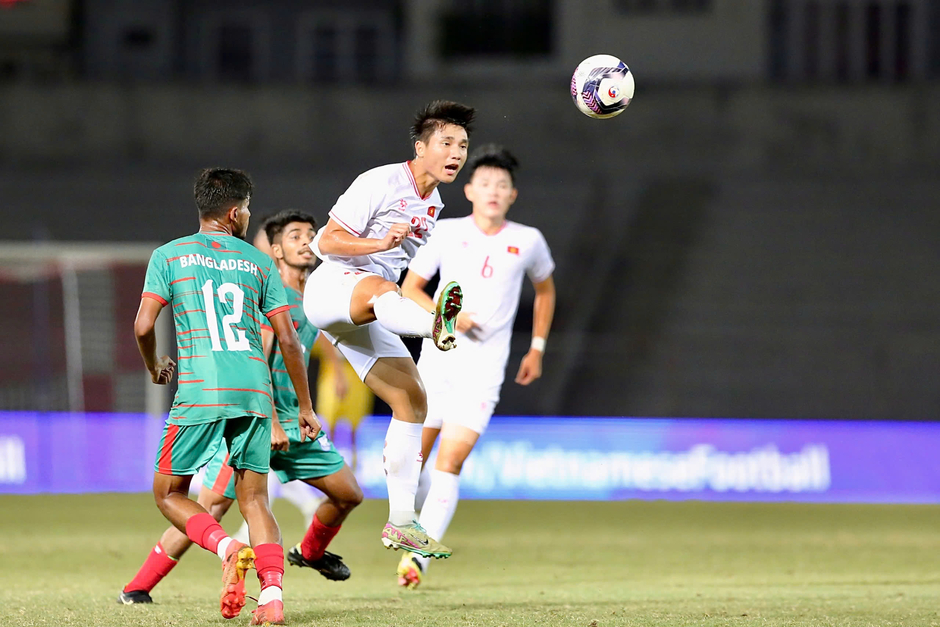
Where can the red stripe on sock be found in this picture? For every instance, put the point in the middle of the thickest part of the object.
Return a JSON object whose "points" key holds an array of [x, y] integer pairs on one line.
{"points": [[165, 465], [205, 531], [157, 566], [317, 538], [269, 562]]}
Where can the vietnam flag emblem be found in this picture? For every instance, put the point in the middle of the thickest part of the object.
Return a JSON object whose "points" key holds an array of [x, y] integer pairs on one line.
{"points": [[432, 211], [513, 250]]}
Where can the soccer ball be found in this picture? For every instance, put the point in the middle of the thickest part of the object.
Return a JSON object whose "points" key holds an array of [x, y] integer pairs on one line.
{"points": [[602, 86]]}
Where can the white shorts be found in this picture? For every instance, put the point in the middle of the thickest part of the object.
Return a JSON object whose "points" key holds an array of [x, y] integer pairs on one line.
{"points": [[326, 304], [456, 394]]}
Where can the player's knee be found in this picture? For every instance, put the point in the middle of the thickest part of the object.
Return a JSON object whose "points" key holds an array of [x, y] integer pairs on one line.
{"points": [[219, 509], [410, 400], [353, 497], [384, 288], [419, 400], [449, 461], [161, 494]]}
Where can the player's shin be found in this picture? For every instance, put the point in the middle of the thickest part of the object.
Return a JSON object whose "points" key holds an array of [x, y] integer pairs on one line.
{"points": [[402, 468], [157, 566], [403, 316], [317, 538], [269, 562], [424, 485], [205, 531], [440, 506]]}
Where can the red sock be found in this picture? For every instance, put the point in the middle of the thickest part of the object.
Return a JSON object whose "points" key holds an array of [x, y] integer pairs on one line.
{"points": [[269, 562], [157, 566], [317, 538], [205, 531]]}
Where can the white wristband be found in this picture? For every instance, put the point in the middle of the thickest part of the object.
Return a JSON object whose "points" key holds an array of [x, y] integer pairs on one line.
{"points": [[538, 343]]}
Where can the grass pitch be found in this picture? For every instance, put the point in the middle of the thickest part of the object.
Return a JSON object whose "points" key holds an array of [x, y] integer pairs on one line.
{"points": [[65, 558]]}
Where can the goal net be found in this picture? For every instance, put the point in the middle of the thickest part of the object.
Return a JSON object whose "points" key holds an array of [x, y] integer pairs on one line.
{"points": [[66, 337]]}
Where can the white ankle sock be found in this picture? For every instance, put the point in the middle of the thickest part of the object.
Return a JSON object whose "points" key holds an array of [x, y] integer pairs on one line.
{"points": [[223, 545], [440, 506], [271, 593], [424, 484], [402, 469], [403, 316]]}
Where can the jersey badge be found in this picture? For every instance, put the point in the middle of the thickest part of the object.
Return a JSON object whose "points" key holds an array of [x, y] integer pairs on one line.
{"points": [[512, 250], [432, 211]]}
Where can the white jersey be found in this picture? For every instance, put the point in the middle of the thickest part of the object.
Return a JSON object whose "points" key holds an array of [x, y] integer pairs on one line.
{"points": [[489, 269], [376, 200]]}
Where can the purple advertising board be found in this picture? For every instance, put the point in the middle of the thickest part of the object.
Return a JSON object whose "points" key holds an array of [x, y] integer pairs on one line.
{"points": [[543, 458]]}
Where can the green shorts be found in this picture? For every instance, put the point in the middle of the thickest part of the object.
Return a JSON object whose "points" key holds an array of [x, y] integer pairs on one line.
{"points": [[310, 459], [185, 449]]}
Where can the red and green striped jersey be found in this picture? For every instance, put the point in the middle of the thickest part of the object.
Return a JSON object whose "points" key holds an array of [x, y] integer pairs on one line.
{"points": [[285, 398], [217, 288]]}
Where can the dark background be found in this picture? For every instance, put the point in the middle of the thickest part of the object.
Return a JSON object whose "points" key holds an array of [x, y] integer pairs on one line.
{"points": [[755, 237]]}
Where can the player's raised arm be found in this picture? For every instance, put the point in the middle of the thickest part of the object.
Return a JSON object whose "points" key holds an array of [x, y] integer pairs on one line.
{"points": [[543, 311], [293, 355], [336, 240]]}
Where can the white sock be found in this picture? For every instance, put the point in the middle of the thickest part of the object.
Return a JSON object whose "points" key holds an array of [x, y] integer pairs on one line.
{"points": [[440, 506], [223, 545], [242, 534], [402, 469], [403, 316], [271, 593], [424, 484]]}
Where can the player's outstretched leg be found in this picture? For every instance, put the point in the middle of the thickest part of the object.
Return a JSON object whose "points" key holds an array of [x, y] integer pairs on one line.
{"points": [[343, 495], [157, 566], [251, 489], [449, 304], [396, 381], [170, 493], [167, 553], [442, 497]]}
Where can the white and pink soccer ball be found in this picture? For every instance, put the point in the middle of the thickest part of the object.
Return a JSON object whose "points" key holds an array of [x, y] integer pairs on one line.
{"points": [[602, 86]]}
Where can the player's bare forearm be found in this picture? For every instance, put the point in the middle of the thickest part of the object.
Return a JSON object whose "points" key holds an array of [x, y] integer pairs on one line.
{"points": [[338, 241], [543, 309], [162, 369], [413, 288], [293, 356], [144, 331]]}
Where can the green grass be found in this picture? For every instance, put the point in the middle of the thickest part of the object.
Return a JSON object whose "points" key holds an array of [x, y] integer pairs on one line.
{"points": [[65, 559]]}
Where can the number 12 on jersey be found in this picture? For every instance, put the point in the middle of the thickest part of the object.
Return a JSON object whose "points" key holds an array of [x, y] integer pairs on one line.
{"points": [[235, 339]]}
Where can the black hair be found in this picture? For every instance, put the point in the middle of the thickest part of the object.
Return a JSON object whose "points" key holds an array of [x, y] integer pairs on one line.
{"points": [[493, 156], [274, 225], [439, 113], [217, 189]]}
